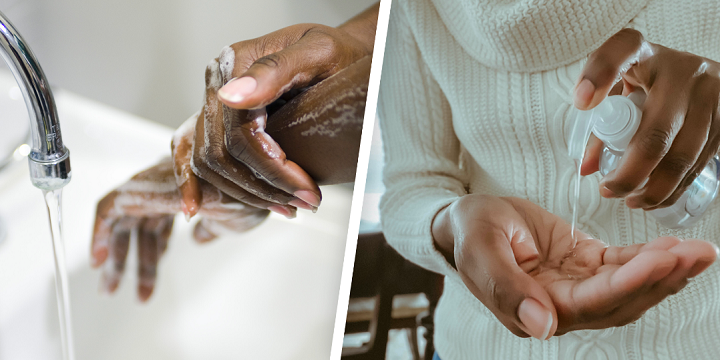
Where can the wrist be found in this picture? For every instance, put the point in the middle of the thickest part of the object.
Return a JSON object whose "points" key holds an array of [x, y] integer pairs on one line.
{"points": [[442, 233], [362, 27]]}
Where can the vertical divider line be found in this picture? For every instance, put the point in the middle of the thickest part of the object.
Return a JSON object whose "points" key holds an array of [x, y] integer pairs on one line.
{"points": [[360, 177]]}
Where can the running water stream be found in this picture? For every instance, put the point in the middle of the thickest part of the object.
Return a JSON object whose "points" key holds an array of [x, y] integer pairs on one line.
{"points": [[53, 200]]}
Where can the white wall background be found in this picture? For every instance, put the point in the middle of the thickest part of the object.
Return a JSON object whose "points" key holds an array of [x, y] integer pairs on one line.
{"points": [[148, 57]]}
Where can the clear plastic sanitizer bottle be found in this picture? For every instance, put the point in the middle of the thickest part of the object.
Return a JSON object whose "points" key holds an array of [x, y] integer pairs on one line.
{"points": [[615, 121]]}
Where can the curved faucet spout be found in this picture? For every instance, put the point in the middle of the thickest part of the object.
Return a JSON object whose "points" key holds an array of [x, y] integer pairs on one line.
{"points": [[49, 159]]}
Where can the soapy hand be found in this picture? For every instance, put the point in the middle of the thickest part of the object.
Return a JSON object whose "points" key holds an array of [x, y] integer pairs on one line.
{"points": [[232, 149], [680, 128], [516, 258], [147, 203]]}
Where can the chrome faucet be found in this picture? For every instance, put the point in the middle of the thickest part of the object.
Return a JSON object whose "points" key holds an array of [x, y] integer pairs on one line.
{"points": [[49, 159]]}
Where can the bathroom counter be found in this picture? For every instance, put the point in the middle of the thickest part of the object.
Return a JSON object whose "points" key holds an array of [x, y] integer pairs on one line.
{"points": [[270, 293]]}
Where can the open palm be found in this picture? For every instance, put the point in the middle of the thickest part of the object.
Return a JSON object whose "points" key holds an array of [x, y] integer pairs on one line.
{"points": [[590, 286]]}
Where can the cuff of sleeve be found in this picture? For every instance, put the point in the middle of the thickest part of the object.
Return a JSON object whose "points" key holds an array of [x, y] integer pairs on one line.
{"points": [[407, 227]]}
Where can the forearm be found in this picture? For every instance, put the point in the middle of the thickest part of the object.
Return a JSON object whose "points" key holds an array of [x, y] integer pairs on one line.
{"points": [[320, 129], [363, 26]]}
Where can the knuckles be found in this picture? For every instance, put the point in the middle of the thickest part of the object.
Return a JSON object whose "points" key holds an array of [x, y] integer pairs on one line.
{"points": [[271, 61], [654, 143], [677, 165], [650, 200], [622, 186]]}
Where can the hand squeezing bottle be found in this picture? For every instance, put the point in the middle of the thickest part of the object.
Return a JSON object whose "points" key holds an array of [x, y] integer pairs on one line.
{"points": [[614, 121]]}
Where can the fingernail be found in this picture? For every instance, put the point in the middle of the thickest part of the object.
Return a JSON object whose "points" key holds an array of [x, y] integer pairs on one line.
{"points": [[607, 193], [201, 234], [536, 318], [699, 267], [144, 292], [308, 197], [192, 210], [283, 211], [584, 94], [186, 212], [237, 89], [109, 283], [98, 256], [301, 204], [632, 202]]}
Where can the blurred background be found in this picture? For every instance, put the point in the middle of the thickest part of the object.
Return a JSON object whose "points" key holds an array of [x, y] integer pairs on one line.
{"points": [[148, 57]]}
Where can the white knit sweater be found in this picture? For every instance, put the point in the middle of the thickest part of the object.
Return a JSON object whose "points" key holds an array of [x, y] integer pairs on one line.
{"points": [[475, 97]]}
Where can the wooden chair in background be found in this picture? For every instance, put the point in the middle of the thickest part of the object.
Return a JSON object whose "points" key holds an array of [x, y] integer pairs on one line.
{"points": [[381, 277]]}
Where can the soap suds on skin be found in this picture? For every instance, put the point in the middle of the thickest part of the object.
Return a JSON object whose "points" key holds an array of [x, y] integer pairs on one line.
{"points": [[346, 114], [214, 81], [270, 147], [148, 186], [227, 63], [186, 129]]}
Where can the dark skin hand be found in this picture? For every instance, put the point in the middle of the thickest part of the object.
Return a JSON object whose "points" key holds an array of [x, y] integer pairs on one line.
{"points": [[680, 128], [319, 129], [148, 203], [515, 257], [253, 74]]}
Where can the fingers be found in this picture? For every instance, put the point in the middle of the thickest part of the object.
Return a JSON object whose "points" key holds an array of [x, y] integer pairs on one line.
{"points": [[686, 148], [662, 119], [678, 133], [602, 293], [102, 230], [693, 257], [222, 214], [164, 230], [247, 141], [224, 163], [187, 182], [153, 234], [211, 161], [619, 255], [119, 243], [605, 65], [208, 229], [245, 136], [701, 127], [645, 289], [488, 266], [317, 54], [270, 76], [201, 233]]}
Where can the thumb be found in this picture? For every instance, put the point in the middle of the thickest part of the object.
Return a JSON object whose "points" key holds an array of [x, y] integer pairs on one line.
{"points": [[606, 64], [296, 66], [489, 267]]}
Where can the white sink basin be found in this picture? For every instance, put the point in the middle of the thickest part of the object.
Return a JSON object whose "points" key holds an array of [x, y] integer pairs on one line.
{"points": [[267, 294]]}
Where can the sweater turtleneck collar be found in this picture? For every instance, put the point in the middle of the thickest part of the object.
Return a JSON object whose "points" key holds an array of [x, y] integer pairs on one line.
{"points": [[534, 35]]}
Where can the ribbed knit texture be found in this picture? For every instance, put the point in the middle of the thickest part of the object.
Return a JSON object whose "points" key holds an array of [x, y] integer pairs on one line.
{"points": [[464, 108]]}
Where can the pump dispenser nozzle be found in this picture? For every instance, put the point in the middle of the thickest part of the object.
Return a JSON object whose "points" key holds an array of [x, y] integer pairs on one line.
{"points": [[616, 121]]}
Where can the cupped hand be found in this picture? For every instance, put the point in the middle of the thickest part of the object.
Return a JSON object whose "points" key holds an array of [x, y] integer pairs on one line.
{"points": [[518, 260], [680, 128], [247, 77], [147, 204]]}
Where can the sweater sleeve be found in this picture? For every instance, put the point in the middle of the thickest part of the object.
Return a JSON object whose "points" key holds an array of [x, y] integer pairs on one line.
{"points": [[422, 172]]}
